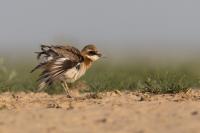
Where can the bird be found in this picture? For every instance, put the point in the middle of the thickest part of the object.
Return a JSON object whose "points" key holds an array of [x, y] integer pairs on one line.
{"points": [[64, 64]]}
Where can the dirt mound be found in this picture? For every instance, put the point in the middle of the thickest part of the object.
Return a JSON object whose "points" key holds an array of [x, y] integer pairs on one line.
{"points": [[107, 112]]}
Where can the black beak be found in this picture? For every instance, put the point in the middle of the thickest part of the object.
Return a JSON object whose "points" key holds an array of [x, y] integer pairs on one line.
{"points": [[99, 54]]}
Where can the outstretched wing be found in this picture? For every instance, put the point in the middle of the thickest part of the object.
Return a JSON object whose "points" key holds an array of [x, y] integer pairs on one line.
{"points": [[56, 60], [50, 53]]}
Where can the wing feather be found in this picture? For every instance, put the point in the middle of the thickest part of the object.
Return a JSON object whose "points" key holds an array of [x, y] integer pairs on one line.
{"points": [[56, 60]]}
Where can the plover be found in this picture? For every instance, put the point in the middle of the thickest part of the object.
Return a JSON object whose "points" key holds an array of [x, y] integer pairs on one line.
{"points": [[64, 64]]}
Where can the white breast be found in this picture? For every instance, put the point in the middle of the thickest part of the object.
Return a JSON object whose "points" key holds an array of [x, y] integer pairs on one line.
{"points": [[73, 74]]}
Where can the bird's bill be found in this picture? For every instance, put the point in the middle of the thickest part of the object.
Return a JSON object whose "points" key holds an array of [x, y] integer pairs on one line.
{"points": [[99, 54]]}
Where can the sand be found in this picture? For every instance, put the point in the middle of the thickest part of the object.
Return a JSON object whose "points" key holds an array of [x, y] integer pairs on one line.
{"points": [[111, 112]]}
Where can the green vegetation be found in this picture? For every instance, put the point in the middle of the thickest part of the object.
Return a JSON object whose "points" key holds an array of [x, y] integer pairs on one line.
{"points": [[104, 76], [154, 78]]}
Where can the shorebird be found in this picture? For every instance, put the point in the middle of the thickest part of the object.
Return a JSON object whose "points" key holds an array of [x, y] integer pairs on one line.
{"points": [[64, 64]]}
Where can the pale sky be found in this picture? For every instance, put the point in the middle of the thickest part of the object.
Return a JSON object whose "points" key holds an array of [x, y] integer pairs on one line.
{"points": [[173, 25]]}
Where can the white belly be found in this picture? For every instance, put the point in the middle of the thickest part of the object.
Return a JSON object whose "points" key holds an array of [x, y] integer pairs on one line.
{"points": [[73, 74]]}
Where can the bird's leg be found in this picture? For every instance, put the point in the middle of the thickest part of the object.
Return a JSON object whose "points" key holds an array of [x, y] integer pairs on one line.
{"points": [[65, 86]]}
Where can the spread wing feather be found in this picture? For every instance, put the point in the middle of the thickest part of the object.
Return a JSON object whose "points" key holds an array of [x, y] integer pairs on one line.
{"points": [[54, 61]]}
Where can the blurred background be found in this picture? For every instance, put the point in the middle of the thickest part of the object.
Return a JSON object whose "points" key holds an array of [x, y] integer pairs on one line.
{"points": [[145, 30], [141, 27]]}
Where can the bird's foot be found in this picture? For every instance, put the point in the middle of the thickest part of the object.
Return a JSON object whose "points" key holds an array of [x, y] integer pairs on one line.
{"points": [[69, 96]]}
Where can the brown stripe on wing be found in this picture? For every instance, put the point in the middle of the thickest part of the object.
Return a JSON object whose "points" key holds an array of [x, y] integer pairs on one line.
{"points": [[53, 52], [55, 70], [69, 52]]}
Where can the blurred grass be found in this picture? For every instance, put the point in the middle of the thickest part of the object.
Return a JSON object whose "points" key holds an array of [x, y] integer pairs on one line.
{"points": [[154, 78], [105, 76]]}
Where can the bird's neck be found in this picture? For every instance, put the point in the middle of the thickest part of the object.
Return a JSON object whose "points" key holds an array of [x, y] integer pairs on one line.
{"points": [[87, 62]]}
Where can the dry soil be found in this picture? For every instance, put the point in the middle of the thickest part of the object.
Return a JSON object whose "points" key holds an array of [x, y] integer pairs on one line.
{"points": [[111, 112]]}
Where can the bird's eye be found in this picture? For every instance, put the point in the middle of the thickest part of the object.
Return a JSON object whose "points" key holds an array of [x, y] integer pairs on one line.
{"points": [[92, 53]]}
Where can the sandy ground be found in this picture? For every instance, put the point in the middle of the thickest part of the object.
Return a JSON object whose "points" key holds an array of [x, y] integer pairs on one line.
{"points": [[112, 112]]}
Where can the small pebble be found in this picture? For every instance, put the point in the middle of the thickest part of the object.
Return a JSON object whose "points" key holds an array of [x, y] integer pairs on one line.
{"points": [[194, 113]]}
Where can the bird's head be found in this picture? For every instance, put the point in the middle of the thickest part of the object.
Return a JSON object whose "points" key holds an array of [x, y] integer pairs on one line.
{"points": [[90, 52]]}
